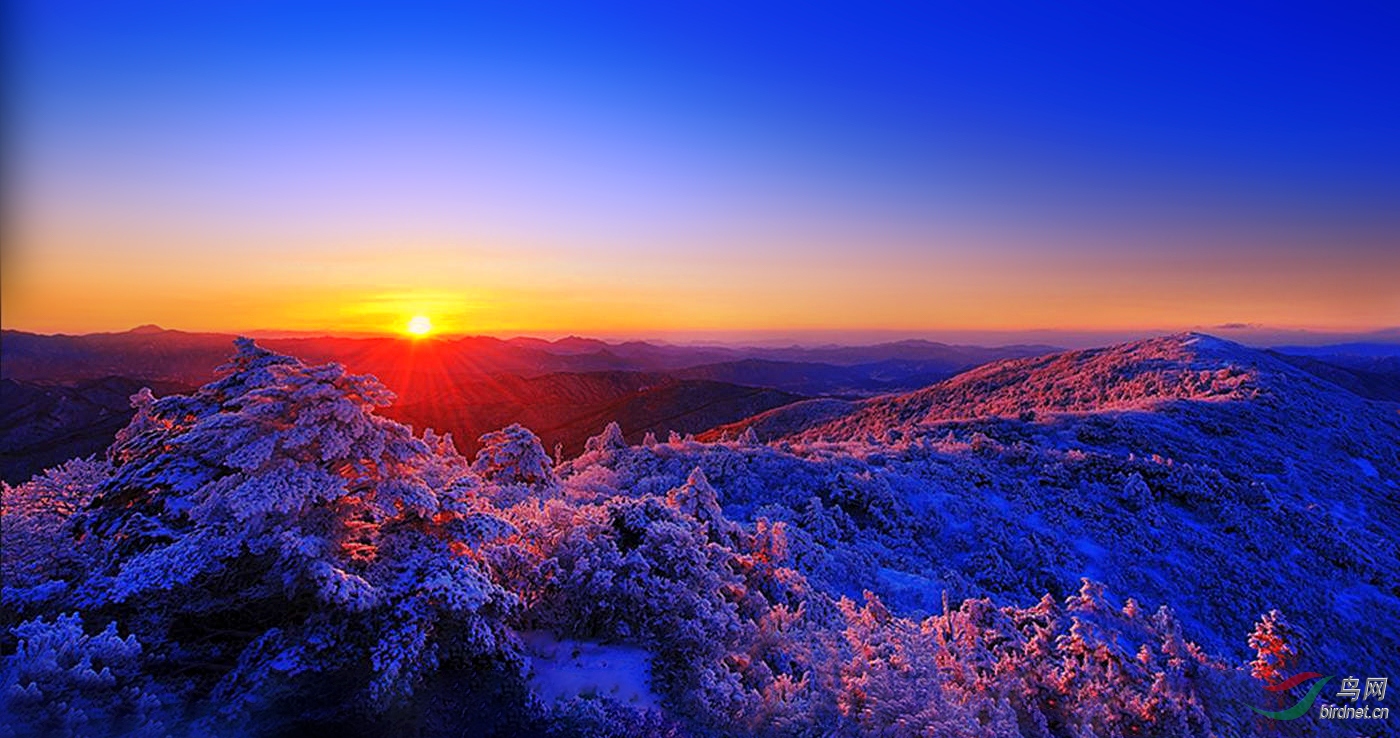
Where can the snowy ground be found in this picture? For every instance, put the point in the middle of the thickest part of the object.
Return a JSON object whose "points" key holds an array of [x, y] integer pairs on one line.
{"points": [[562, 669]]}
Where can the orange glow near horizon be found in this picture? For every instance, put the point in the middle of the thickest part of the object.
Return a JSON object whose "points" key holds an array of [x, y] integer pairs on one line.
{"points": [[65, 281], [60, 291]]}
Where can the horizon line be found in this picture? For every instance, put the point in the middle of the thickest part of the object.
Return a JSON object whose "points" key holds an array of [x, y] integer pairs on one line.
{"points": [[1245, 333]]}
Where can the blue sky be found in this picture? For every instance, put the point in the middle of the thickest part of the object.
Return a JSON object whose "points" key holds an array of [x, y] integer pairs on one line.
{"points": [[603, 158]]}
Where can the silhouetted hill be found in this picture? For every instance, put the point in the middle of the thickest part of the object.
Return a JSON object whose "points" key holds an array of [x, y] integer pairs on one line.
{"points": [[1355, 349], [567, 408], [785, 421], [809, 378], [952, 357], [1374, 377], [686, 406], [43, 425]]}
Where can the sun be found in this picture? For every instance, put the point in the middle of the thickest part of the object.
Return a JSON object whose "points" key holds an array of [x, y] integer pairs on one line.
{"points": [[419, 325]]}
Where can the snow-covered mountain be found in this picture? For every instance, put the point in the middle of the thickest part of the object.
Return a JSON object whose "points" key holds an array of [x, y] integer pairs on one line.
{"points": [[1128, 541], [1185, 470]]}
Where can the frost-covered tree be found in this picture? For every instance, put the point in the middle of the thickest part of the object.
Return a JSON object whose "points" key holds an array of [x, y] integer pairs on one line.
{"points": [[1136, 494], [892, 683], [609, 440], [39, 553], [699, 501], [269, 535], [513, 455]]}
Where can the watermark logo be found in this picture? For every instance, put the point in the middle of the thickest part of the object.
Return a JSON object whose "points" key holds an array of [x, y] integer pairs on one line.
{"points": [[1301, 706], [1351, 691]]}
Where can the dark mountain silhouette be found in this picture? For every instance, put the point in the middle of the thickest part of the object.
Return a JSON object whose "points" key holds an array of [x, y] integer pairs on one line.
{"points": [[812, 378], [568, 408], [190, 358], [1375, 377], [1354, 349], [43, 425]]}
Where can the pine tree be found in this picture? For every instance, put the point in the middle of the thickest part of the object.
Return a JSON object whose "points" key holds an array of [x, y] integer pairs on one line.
{"points": [[270, 526], [513, 455], [610, 439]]}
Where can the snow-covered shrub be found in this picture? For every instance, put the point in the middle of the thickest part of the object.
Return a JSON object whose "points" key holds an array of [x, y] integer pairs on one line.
{"points": [[592, 718], [38, 553], [698, 500], [1082, 669], [61, 681], [669, 573], [867, 500], [640, 571], [892, 683], [1136, 494]]}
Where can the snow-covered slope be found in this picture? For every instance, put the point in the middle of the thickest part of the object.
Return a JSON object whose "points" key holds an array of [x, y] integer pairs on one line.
{"points": [[787, 420], [1184, 469], [1140, 375], [1072, 545]]}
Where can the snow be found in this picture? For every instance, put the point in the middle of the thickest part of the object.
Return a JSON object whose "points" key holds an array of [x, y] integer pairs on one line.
{"points": [[562, 669], [909, 590], [908, 565]]}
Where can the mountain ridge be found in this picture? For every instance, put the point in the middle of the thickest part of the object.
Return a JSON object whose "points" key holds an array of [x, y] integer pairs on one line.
{"points": [[1134, 375]]}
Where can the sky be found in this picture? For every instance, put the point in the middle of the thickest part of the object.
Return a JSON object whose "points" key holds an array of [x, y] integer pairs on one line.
{"points": [[701, 169]]}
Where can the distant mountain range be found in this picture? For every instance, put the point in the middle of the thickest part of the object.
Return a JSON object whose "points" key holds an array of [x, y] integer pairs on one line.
{"points": [[566, 408], [66, 395], [1374, 349], [154, 353]]}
